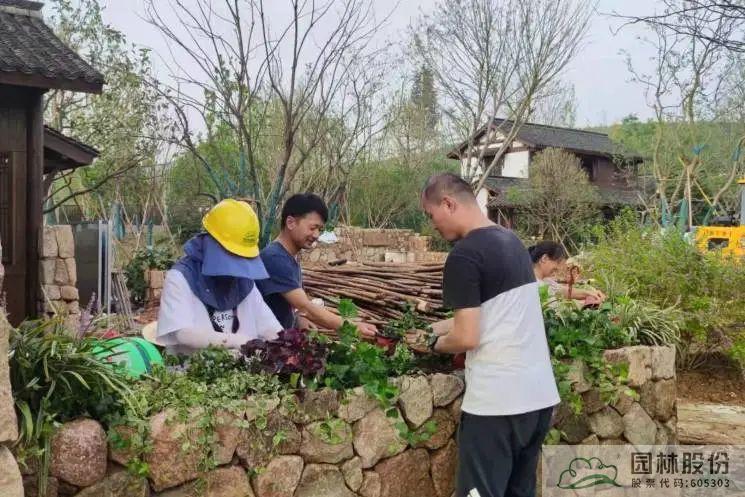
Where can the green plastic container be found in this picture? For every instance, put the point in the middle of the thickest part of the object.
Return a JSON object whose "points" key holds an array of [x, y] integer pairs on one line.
{"points": [[136, 355]]}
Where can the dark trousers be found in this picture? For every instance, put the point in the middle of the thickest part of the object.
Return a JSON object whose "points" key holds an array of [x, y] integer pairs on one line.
{"points": [[498, 455]]}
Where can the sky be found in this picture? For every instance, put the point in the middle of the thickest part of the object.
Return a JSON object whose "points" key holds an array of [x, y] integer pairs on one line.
{"points": [[599, 74]]}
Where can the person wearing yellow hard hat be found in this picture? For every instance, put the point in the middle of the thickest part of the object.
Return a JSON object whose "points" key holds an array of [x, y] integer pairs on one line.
{"points": [[209, 296]]}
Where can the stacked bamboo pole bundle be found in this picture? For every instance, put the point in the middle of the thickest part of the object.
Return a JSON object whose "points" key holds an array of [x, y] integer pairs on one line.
{"points": [[381, 291]]}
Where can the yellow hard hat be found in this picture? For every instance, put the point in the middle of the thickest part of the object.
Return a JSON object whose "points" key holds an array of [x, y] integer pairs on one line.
{"points": [[235, 226]]}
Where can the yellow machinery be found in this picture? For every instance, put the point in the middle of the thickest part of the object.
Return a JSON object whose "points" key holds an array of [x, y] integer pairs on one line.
{"points": [[726, 235]]}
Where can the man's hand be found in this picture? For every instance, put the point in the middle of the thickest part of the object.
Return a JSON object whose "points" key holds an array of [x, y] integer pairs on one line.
{"points": [[367, 329], [417, 340]]}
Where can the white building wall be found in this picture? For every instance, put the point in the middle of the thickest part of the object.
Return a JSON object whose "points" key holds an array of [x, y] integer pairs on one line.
{"points": [[516, 164], [482, 198], [469, 172]]}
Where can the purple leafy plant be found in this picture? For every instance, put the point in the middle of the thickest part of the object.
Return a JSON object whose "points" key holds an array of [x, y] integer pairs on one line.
{"points": [[293, 352]]}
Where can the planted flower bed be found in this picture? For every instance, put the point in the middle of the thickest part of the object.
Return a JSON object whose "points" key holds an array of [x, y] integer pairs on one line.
{"points": [[307, 416]]}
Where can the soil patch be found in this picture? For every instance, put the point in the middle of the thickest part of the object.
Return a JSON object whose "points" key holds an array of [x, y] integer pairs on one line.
{"points": [[718, 381]]}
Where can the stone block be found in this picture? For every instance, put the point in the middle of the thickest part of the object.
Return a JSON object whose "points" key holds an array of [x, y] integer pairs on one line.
{"points": [[639, 360], [592, 401], [72, 271], [155, 278], [444, 430], [260, 405], [153, 294], [49, 243], [577, 376], [61, 275], [658, 398], [54, 306], [55, 488], [664, 436], [65, 241], [327, 442], [663, 362], [52, 292], [352, 471], [322, 480], [171, 465], [623, 401], [395, 257], [8, 421], [591, 440], [455, 409], [444, 463], [415, 400], [47, 271], [607, 423], [227, 431], [69, 293], [406, 475], [279, 478], [11, 482], [376, 437], [79, 451], [230, 481], [639, 427], [118, 484], [355, 404], [312, 406], [575, 427], [73, 307], [256, 445], [375, 238], [370, 484]]}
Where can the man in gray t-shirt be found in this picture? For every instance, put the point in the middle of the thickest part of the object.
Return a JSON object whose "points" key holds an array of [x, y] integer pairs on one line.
{"points": [[510, 388]]}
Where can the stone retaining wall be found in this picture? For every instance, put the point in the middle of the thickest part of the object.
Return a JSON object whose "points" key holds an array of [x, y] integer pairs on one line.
{"points": [[58, 275], [332, 445], [648, 417], [10, 476], [344, 445], [374, 245]]}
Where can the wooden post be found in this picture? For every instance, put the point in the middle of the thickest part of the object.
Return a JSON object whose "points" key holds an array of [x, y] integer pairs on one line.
{"points": [[34, 197]]}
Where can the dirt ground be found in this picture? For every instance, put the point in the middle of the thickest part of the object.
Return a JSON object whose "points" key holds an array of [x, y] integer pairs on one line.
{"points": [[716, 382]]}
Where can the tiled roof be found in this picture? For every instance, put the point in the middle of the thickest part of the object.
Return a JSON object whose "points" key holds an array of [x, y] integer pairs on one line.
{"points": [[543, 136], [500, 186], [50, 131], [32, 55]]}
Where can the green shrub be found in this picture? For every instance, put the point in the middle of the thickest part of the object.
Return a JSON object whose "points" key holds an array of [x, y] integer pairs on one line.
{"points": [[56, 377], [702, 292], [142, 260]]}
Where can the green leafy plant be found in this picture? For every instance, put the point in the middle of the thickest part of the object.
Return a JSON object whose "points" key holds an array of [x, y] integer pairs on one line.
{"points": [[143, 260], [216, 386], [648, 323], [701, 292], [212, 363], [575, 335], [56, 377], [353, 362], [411, 320]]}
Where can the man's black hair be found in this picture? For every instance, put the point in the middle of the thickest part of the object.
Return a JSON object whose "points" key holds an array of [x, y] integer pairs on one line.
{"points": [[439, 185], [302, 204]]}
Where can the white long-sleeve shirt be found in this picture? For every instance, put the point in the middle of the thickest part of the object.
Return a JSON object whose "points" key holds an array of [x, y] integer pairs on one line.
{"points": [[184, 324]]}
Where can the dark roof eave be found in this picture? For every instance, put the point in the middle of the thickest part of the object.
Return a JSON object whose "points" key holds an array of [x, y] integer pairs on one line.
{"points": [[66, 152], [634, 159], [42, 82]]}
